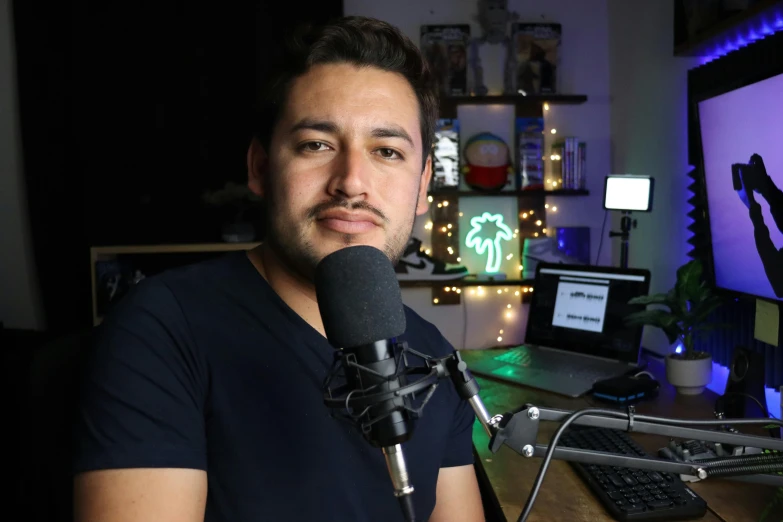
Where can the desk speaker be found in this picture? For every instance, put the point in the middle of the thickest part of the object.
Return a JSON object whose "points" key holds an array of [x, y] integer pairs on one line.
{"points": [[745, 383]]}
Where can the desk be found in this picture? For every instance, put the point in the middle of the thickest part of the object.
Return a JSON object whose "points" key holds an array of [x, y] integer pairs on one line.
{"points": [[563, 495]]}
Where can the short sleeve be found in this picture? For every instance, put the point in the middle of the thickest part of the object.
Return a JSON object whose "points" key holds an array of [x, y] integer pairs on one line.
{"points": [[143, 389], [459, 449]]}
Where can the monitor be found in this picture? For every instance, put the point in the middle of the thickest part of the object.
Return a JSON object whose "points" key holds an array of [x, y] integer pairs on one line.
{"points": [[742, 154], [583, 309]]}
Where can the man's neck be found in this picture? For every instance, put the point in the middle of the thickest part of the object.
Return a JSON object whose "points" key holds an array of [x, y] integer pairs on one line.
{"points": [[297, 292]]}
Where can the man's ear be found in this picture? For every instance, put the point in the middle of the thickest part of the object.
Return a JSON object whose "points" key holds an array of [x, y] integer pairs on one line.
{"points": [[424, 185], [257, 167]]}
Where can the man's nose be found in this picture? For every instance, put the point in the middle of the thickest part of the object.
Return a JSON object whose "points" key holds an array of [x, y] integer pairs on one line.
{"points": [[351, 177]]}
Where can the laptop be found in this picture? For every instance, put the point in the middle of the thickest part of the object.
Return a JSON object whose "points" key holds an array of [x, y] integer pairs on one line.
{"points": [[576, 334]]}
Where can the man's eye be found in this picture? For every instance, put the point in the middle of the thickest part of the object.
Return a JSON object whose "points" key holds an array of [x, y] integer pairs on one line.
{"points": [[314, 146], [388, 153]]}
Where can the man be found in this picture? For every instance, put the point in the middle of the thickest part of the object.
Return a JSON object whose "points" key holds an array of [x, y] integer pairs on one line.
{"points": [[754, 178], [204, 398]]}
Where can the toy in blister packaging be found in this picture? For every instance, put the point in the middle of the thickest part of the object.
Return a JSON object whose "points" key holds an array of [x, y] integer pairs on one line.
{"points": [[445, 49], [445, 155], [530, 153]]}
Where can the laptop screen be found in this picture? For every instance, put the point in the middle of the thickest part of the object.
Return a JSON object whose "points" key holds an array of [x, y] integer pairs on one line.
{"points": [[582, 309]]}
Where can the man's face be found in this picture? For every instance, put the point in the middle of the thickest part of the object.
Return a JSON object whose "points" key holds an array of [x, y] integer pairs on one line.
{"points": [[344, 166]]}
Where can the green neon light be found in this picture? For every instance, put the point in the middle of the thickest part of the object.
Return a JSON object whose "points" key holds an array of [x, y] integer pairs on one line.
{"points": [[481, 238]]}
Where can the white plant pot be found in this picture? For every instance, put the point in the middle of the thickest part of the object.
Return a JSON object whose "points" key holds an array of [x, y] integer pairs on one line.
{"points": [[689, 376]]}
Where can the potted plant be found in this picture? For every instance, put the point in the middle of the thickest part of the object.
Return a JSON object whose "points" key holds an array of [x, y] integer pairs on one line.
{"points": [[239, 200], [685, 313]]}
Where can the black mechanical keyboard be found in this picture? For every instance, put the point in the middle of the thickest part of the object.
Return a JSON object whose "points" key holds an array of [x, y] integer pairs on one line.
{"points": [[632, 494]]}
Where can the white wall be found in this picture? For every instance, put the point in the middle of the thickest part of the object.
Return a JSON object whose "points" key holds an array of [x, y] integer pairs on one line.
{"points": [[584, 69], [649, 135], [20, 306]]}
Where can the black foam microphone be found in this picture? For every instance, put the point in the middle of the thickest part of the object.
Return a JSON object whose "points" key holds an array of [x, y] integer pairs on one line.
{"points": [[361, 307]]}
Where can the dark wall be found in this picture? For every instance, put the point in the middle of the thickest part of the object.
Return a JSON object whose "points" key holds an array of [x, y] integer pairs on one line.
{"points": [[128, 113]]}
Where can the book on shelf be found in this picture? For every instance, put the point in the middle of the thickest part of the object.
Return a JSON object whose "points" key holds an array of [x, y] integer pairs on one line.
{"points": [[569, 159]]}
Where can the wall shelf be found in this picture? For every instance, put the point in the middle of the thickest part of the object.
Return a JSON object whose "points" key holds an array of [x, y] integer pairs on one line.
{"points": [[460, 283], [523, 104], [508, 193]]}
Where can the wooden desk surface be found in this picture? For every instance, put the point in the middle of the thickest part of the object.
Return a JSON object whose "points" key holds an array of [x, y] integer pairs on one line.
{"points": [[564, 496]]}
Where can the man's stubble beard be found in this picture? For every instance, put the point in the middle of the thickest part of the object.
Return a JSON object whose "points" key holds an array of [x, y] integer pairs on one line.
{"points": [[297, 252]]}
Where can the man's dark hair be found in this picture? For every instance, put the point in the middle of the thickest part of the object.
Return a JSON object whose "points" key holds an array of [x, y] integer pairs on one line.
{"points": [[364, 42]]}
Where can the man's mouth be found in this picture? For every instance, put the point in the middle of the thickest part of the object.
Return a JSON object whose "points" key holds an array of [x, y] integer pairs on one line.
{"points": [[348, 222]]}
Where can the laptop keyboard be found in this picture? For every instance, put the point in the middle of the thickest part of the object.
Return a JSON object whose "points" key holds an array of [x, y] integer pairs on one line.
{"points": [[554, 365]]}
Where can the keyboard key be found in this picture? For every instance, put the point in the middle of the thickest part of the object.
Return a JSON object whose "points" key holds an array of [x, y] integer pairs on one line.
{"points": [[633, 508], [659, 504], [655, 476]]}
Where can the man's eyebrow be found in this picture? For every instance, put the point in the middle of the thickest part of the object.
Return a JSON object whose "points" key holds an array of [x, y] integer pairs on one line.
{"points": [[392, 131], [325, 126], [329, 127]]}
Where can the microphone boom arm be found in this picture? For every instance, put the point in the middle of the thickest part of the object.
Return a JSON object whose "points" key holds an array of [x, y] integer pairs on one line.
{"points": [[519, 431]]}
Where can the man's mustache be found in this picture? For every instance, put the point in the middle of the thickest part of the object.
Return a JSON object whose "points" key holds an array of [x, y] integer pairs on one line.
{"points": [[338, 203]]}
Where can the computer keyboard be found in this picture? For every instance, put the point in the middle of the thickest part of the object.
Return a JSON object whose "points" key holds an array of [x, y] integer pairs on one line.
{"points": [[556, 365], [632, 494]]}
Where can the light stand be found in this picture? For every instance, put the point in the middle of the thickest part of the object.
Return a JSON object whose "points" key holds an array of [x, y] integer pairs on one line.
{"points": [[626, 224]]}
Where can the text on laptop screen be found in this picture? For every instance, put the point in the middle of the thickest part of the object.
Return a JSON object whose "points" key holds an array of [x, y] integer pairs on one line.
{"points": [[584, 311]]}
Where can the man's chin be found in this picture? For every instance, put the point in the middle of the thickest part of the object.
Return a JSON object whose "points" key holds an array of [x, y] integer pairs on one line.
{"points": [[329, 247]]}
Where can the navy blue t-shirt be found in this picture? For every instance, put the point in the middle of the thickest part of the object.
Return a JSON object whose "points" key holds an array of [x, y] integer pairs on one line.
{"points": [[205, 367]]}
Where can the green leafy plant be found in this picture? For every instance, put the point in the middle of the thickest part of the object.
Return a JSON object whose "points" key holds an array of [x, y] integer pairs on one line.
{"points": [[687, 308]]}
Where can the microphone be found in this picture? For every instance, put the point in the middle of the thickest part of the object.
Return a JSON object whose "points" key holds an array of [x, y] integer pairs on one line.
{"points": [[361, 308]]}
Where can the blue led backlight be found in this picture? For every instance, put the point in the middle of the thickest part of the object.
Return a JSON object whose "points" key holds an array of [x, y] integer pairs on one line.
{"points": [[756, 31]]}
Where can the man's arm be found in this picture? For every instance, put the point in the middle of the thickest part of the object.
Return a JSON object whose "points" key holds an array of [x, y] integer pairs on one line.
{"points": [[771, 257], [139, 433], [458, 496], [769, 191], [136, 495]]}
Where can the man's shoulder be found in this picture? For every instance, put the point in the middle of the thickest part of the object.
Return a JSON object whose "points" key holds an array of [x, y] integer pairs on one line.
{"points": [[172, 291], [424, 336]]}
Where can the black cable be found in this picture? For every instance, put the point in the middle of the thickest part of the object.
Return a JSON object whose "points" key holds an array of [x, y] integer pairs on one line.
{"points": [[754, 399], [616, 414], [601, 241], [551, 451]]}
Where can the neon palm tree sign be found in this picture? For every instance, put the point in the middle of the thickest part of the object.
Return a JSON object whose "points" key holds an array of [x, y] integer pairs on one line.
{"points": [[484, 237]]}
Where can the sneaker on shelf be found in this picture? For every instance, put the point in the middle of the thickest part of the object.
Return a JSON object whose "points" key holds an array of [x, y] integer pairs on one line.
{"points": [[542, 250], [417, 265]]}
